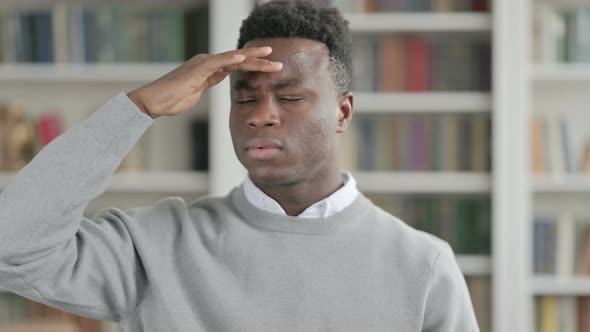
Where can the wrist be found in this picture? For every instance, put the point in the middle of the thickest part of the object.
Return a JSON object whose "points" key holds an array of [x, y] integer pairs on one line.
{"points": [[138, 101]]}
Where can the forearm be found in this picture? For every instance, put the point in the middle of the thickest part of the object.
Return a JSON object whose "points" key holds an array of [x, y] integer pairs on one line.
{"points": [[44, 203]]}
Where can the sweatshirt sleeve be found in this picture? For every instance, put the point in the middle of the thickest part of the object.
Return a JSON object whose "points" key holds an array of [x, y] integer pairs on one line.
{"points": [[448, 305], [51, 253]]}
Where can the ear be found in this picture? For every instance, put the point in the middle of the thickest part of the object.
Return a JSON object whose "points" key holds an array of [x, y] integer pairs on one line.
{"points": [[345, 110]]}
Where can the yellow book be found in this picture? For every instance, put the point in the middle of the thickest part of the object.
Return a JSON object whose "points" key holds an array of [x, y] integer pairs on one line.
{"points": [[548, 311]]}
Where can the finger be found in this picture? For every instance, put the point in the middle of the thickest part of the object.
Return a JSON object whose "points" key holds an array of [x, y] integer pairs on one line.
{"points": [[215, 62], [254, 64], [253, 52], [216, 77]]}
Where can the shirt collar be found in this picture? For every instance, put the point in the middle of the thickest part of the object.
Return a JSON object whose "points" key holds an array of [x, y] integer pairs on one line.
{"points": [[328, 206]]}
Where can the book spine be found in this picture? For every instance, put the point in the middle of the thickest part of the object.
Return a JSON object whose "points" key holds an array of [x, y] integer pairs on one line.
{"points": [[419, 54], [44, 33]]}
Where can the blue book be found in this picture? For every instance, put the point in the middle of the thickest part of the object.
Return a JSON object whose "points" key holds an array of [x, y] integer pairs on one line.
{"points": [[89, 24], [367, 141], [44, 33]]}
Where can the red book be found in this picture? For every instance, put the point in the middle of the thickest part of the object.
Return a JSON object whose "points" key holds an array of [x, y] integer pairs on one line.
{"points": [[370, 6], [419, 54], [49, 126], [479, 5], [584, 313]]}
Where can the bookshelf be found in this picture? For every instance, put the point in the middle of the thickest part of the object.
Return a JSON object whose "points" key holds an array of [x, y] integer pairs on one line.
{"points": [[552, 286], [422, 182], [563, 184], [420, 22], [555, 91], [76, 73], [75, 89], [560, 73], [80, 88], [431, 102], [376, 103]]}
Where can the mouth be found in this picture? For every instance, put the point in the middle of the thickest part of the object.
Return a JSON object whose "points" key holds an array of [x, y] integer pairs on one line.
{"points": [[263, 148]]}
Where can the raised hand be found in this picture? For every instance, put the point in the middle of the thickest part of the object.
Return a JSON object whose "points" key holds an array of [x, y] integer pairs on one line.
{"points": [[179, 90]]}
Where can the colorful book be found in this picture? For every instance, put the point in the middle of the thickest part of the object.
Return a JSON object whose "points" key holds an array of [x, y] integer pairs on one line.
{"points": [[419, 55], [392, 64]]}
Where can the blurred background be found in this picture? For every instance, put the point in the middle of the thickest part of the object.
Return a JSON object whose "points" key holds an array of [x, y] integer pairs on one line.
{"points": [[470, 123]]}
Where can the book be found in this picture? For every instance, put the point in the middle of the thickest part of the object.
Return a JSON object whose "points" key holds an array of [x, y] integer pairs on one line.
{"points": [[384, 138], [43, 32], [549, 314], [565, 245], [583, 313], [80, 33], [442, 5], [200, 144], [348, 152], [421, 142], [583, 266], [578, 43], [419, 53], [567, 314], [480, 291], [196, 27], [60, 41], [537, 146], [367, 140], [557, 162], [558, 143], [480, 139], [49, 126], [461, 221], [364, 54], [392, 64], [544, 244], [586, 162], [369, 6], [415, 63]]}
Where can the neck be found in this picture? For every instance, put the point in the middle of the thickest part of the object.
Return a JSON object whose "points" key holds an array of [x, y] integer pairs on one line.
{"points": [[295, 197]]}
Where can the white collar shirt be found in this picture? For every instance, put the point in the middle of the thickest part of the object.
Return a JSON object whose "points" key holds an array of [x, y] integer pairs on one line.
{"points": [[328, 206]]}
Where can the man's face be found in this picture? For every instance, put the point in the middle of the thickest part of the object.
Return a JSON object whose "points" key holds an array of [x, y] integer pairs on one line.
{"points": [[284, 124]]}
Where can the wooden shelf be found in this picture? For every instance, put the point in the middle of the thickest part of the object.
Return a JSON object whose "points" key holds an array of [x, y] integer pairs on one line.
{"points": [[108, 73], [553, 285], [423, 102], [567, 183], [560, 72], [422, 182], [150, 182], [475, 265], [420, 22]]}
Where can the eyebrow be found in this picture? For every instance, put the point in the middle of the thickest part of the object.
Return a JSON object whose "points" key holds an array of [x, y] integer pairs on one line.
{"points": [[287, 83]]}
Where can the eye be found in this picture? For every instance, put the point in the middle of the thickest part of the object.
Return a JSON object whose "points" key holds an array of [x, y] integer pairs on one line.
{"points": [[245, 100], [291, 99]]}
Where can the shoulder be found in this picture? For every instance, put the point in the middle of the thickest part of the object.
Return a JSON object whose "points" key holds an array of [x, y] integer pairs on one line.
{"points": [[414, 249], [168, 215]]}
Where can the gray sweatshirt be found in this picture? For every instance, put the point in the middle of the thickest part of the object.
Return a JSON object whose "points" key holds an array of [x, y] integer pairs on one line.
{"points": [[217, 263]]}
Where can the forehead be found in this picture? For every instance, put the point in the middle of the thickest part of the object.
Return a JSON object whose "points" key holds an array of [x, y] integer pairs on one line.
{"points": [[303, 59]]}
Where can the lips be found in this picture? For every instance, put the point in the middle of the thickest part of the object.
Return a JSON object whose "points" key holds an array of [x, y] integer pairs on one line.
{"points": [[262, 148]]}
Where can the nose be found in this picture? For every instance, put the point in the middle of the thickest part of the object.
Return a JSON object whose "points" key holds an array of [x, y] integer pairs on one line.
{"points": [[264, 114]]}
